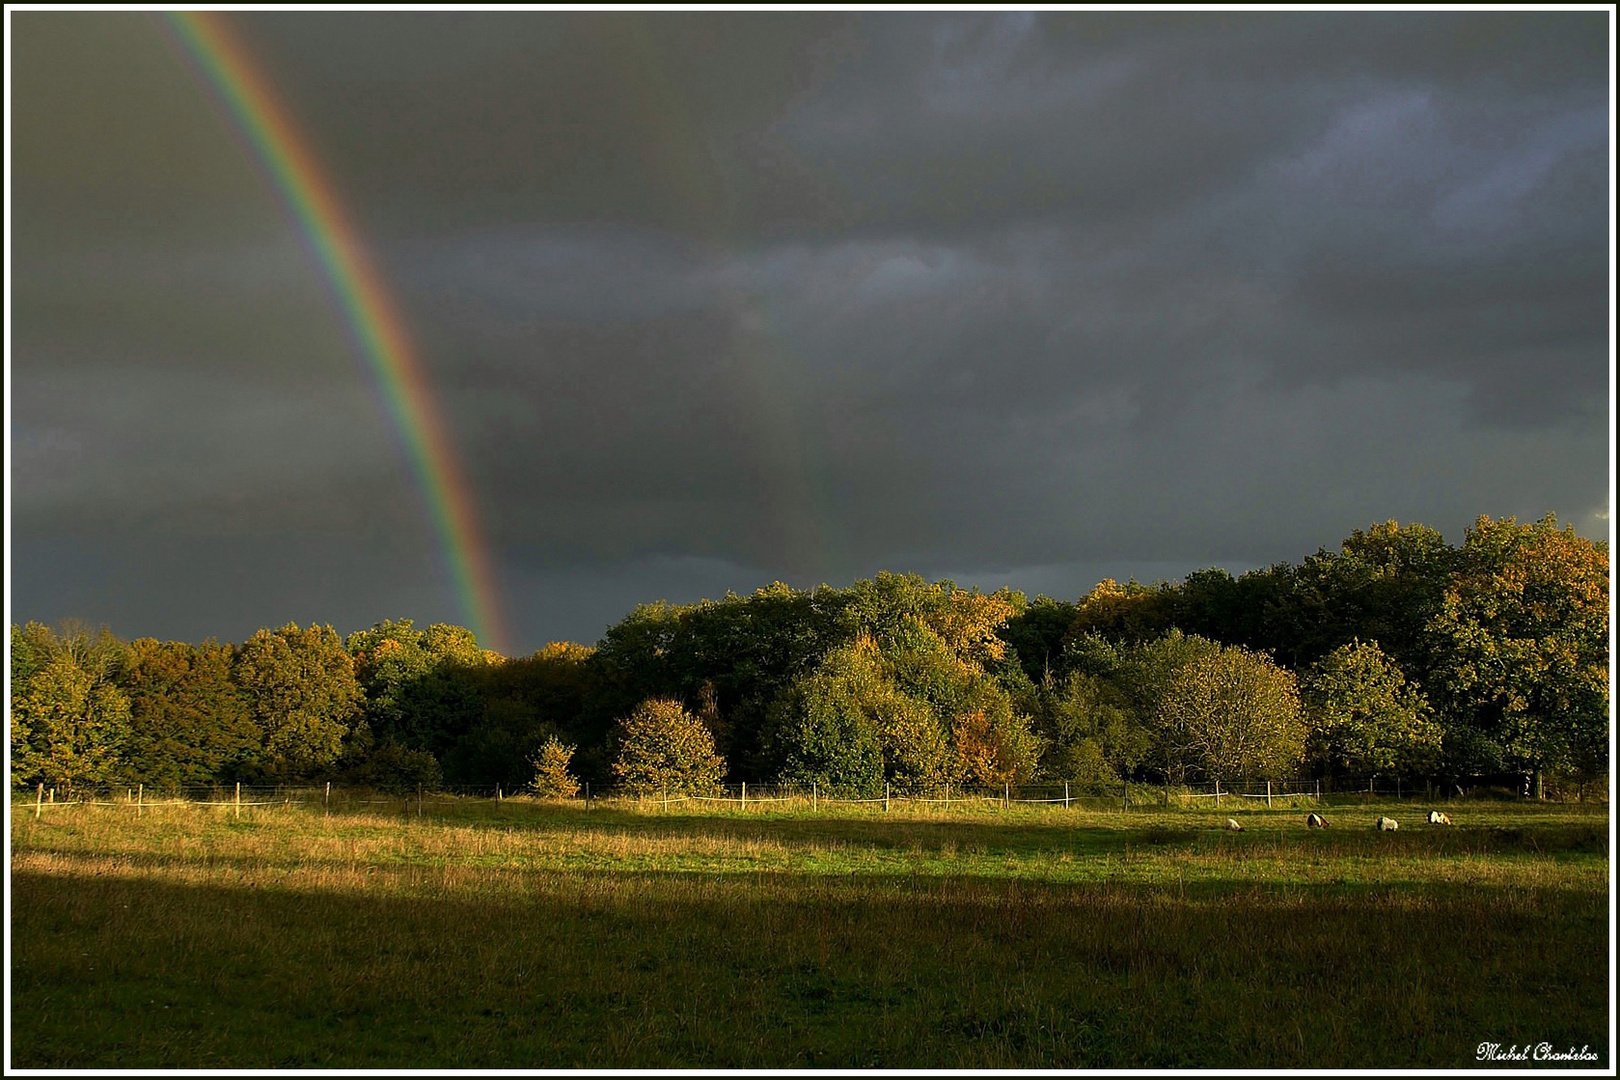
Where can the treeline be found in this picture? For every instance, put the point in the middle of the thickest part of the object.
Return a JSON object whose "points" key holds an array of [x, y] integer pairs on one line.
{"points": [[1396, 656]]}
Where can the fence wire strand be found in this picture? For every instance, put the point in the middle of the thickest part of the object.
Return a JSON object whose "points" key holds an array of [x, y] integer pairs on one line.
{"points": [[1131, 797]]}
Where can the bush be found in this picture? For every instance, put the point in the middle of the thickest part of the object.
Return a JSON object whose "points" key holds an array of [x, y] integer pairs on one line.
{"points": [[396, 770]]}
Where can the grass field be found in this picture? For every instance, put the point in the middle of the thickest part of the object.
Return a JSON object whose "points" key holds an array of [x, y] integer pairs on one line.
{"points": [[526, 935]]}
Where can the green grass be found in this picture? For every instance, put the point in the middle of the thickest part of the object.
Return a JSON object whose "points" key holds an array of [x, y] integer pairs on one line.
{"points": [[532, 936]]}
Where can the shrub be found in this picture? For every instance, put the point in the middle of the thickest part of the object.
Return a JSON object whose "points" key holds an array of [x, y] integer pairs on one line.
{"points": [[552, 780]]}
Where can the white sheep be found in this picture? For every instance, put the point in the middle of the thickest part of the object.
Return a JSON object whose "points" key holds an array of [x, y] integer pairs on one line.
{"points": [[1387, 824], [1231, 823], [1315, 821], [1438, 818]]}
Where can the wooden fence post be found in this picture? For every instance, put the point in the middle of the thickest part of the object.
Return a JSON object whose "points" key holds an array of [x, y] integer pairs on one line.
{"points": [[39, 801], [239, 800], [140, 798], [665, 792], [885, 796], [1065, 794], [947, 794], [326, 800], [1217, 794], [1125, 794], [815, 795], [745, 794], [1268, 794]]}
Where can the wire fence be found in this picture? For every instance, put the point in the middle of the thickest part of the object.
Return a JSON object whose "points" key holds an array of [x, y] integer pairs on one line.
{"points": [[1125, 796]]}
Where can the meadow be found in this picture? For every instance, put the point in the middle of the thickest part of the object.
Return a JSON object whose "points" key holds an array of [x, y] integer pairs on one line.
{"points": [[523, 934]]}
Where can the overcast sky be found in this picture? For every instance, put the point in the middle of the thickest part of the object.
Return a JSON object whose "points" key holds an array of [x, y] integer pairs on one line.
{"points": [[712, 299]]}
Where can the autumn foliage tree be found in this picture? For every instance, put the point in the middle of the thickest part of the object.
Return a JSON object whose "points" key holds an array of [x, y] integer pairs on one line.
{"points": [[552, 778], [189, 721], [664, 748], [1525, 631], [1234, 714], [1498, 649]]}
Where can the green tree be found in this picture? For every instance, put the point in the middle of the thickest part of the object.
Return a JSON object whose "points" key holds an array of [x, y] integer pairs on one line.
{"points": [[1524, 627], [664, 748], [973, 734], [422, 687], [525, 700], [890, 606], [189, 722], [1089, 732], [1365, 719], [1143, 675], [69, 719], [829, 726], [304, 697], [1037, 635]]}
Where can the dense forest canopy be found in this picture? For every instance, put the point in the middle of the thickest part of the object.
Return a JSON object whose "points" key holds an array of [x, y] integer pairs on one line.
{"points": [[1398, 656]]}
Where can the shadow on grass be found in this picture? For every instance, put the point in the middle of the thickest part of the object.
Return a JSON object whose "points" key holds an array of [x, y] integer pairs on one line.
{"points": [[649, 970]]}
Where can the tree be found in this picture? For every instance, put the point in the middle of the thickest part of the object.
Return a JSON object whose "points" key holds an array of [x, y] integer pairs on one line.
{"points": [[965, 729], [1233, 714], [69, 719], [664, 748], [1143, 674], [189, 722], [1037, 634], [524, 700], [421, 686], [891, 605], [1524, 626], [552, 780], [829, 725], [1130, 612], [994, 747], [1365, 719], [388, 658], [1089, 732], [304, 697]]}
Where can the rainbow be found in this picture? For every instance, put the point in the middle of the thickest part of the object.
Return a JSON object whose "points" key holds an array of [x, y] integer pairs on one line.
{"points": [[378, 330]]}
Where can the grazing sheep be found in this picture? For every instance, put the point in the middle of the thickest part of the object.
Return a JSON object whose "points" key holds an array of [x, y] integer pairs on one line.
{"points": [[1387, 824], [1315, 821], [1437, 818], [1231, 823]]}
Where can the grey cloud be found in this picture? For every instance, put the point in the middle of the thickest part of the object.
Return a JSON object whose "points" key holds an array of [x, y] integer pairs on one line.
{"points": [[708, 299]]}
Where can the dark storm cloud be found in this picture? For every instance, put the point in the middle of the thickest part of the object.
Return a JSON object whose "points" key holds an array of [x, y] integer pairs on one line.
{"points": [[712, 298]]}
